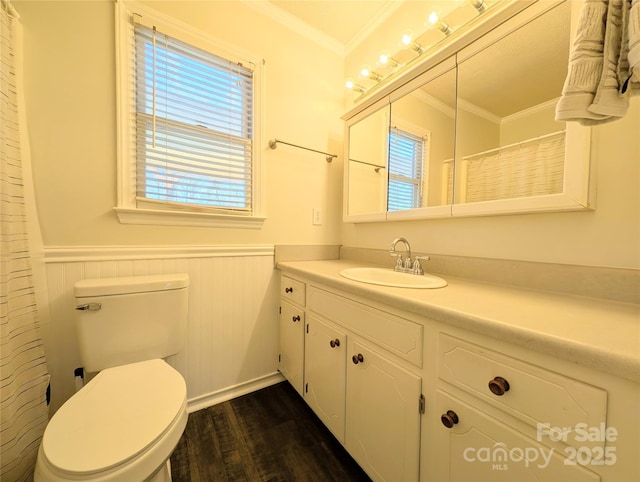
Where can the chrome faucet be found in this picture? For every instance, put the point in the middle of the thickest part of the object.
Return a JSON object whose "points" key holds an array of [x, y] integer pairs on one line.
{"points": [[407, 265], [401, 265]]}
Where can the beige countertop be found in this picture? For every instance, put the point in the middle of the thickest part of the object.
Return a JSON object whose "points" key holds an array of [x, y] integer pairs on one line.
{"points": [[601, 334]]}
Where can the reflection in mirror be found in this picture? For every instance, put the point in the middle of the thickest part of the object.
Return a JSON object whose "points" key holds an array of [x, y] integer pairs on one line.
{"points": [[421, 143], [508, 144], [367, 169]]}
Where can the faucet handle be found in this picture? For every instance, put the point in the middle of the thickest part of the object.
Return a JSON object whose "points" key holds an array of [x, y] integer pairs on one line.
{"points": [[417, 268], [399, 263]]}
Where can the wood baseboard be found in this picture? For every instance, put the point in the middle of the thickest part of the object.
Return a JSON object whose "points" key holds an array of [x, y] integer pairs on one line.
{"points": [[210, 399]]}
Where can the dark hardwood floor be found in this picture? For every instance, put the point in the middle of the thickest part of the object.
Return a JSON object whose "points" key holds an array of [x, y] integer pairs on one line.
{"points": [[268, 435]]}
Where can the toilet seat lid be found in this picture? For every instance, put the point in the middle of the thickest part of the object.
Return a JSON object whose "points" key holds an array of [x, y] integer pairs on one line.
{"points": [[117, 415]]}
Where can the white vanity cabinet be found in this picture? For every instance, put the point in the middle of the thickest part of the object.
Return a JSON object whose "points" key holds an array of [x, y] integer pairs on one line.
{"points": [[383, 414], [361, 374], [477, 447], [368, 402], [363, 381], [413, 398], [291, 335], [502, 418], [325, 373]]}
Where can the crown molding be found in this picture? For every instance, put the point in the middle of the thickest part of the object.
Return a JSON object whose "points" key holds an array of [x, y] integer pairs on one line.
{"points": [[479, 111], [385, 12], [550, 104], [284, 18]]}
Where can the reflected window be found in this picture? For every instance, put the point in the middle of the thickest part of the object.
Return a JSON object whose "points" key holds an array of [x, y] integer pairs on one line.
{"points": [[406, 169]]}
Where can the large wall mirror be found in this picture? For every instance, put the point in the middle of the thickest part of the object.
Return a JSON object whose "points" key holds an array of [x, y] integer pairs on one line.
{"points": [[366, 179], [476, 135], [421, 145], [511, 154]]}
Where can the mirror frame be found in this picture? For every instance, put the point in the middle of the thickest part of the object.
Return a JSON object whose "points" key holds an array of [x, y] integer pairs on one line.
{"points": [[578, 192], [579, 173]]}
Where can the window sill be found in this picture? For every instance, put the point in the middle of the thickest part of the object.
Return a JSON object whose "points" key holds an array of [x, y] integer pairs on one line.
{"points": [[181, 218]]}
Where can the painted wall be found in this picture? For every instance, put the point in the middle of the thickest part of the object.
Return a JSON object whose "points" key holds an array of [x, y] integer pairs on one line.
{"points": [[71, 111], [70, 95]]}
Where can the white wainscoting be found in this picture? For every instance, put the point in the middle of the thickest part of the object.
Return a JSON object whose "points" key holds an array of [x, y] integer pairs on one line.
{"points": [[232, 340]]}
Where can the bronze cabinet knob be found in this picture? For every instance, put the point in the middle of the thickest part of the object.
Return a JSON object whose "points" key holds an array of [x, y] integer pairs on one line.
{"points": [[334, 343], [357, 358], [288, 290], [295, 318], [499, 386], [449, 419]]}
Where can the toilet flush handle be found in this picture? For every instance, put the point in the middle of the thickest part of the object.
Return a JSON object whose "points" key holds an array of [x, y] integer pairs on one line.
{"points": [[89, 307]]}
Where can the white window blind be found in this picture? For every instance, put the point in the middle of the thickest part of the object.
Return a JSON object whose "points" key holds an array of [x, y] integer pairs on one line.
{"points": [[406, 161], [194, 126]]}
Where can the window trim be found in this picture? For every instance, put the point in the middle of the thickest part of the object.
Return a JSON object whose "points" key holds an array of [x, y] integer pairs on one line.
{"points": [[127, 208]]}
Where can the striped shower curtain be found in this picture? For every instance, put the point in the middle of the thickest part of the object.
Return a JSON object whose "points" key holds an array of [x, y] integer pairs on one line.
{"points": [[23, 370]]}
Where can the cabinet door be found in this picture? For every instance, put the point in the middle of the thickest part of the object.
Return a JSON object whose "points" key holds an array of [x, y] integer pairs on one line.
{"points": [[291, 360], [480, 448], [383, 415], [325, 355]]}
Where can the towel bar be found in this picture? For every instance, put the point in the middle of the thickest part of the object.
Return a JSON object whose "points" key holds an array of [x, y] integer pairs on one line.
{"points": [[273, 143]]}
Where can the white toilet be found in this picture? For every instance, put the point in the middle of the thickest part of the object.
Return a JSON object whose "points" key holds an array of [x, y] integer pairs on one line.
{"points": [[124, 424]]}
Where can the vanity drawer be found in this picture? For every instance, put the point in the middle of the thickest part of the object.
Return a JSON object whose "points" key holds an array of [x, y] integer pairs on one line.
{"points": [[292, 290], [394, 333], [528, 392]]}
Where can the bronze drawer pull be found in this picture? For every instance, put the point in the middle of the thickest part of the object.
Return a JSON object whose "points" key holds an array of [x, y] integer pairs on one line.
{"points": [[499, 386]]}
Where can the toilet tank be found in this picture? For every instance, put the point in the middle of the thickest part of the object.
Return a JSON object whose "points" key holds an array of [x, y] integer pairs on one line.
{"points": [[130, 319]]}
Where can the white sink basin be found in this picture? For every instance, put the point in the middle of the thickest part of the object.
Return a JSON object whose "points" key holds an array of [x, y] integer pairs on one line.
{"points": [[396, 279]]}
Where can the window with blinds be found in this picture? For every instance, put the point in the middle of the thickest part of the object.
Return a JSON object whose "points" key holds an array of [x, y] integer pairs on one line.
{"points": [[406, 166], [193, 126]]}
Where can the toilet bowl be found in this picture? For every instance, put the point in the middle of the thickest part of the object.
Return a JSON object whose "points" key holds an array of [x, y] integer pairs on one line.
{"points": [[122, 426]]}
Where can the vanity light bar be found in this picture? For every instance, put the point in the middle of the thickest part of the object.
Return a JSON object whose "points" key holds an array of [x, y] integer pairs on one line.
{"points": [[407, 41]]}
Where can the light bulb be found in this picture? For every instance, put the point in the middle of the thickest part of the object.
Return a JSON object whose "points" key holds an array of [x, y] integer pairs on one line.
{"points": [[351, 85], [435, 20], [478, 5], [407, 38], [367, 73], [407, 41], [386, 60]]}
